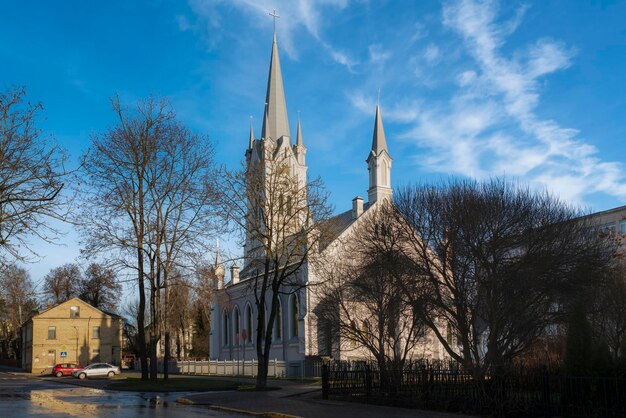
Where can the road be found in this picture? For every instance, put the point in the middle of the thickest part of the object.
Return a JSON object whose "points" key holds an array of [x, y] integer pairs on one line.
{"points": [[22, 396]]}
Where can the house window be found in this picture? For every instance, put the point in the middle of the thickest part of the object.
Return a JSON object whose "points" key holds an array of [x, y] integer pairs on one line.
{"points": [[95, 333], [622, 227], [52, 333], [74, 311], [294, 316]]}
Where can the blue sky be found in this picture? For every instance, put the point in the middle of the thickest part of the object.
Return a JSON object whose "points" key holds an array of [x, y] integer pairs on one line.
{"points": [[533, 90]]}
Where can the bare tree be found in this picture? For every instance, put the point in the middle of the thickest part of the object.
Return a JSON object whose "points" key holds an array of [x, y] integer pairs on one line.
{"points": [[281, 218], [497, 260], [31, 176], [608, 310], [62, 283], [115, 217], [364, 299], [99, 287], [201, 311], [17, 305], [150, 195]]}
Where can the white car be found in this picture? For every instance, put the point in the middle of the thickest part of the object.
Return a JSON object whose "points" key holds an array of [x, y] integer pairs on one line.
{"points": [[97, 369]]}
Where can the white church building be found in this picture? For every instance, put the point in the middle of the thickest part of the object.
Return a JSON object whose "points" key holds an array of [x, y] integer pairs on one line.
{"points": [[296, 335]]}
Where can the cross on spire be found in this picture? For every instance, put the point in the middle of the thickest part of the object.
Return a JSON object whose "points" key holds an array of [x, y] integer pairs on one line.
{"points": [[274, 15]]}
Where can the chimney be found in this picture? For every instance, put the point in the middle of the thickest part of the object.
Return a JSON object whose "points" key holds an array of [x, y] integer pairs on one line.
{"points": [[234, 274], [357, 207]]}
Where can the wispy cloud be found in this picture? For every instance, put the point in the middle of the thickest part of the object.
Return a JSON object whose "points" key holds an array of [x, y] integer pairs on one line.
{"points": [[295, 15], [491, 125]]}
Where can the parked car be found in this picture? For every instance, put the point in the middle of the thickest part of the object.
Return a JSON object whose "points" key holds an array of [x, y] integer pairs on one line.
{"points": [[65, 369], [97, 369]]}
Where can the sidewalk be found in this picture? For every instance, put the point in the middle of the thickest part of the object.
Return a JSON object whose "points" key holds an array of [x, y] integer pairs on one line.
{"points": [[301, 400]]}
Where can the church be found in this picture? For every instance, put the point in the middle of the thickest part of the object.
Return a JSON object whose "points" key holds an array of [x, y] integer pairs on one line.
{"points": [[297, 334]]}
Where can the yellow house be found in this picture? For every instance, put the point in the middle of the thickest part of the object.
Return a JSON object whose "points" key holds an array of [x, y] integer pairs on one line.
{"points": [[72, 332]]}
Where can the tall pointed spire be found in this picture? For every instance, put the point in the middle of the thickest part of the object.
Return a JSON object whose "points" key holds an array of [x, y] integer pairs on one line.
{"points": [[299, 142], [275, 121], [218, 257], [251, 142], [379, 163], [379, 142]]}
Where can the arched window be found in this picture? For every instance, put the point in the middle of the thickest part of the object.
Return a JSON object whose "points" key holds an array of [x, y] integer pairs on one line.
{"points": [[249, 328], [366, 330], [278, 324], [385, 181], [294, 316], [353, 332], [236, 325], [225, 328]]}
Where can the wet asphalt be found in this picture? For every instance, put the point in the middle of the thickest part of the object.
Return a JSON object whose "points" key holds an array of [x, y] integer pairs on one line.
{"points": [[23, 396]]}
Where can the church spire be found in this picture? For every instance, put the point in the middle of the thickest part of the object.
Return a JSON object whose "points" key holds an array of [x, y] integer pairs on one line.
{"points": [[251, 141], [275, 121], [379, 163], [299, 142], [379, 142]]}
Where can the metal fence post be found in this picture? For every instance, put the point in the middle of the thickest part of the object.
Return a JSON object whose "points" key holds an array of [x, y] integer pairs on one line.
{"points": [[325, 381], [368, 382]]}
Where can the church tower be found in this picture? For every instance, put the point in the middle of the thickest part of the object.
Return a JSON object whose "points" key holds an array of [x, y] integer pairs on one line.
{"points": [[379, 163], [275, 147]]}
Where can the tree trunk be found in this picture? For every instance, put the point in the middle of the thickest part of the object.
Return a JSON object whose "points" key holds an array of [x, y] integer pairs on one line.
{"points": [[141, 330], [166, 357]]}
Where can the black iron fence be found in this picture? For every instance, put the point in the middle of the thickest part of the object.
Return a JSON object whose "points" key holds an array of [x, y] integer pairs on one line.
{"points": [[517, 392]]}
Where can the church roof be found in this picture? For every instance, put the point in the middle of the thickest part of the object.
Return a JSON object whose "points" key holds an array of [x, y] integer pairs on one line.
{"points": [[275, 121], [338, 224], [379, 142]]}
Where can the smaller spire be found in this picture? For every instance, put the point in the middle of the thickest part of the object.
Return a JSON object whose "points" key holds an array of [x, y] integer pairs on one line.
{"points": [[379, 142], [299, 133], [251, 135], [218, 257]]}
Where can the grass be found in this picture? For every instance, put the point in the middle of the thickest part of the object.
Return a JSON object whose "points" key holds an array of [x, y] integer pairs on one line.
{"points": [[181, 384]]}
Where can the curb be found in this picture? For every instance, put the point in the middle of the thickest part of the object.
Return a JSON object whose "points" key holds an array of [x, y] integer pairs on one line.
{"points": [[187, 401]]}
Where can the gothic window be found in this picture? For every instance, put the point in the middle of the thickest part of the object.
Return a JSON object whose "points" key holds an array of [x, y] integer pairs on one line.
{"points": [[294, 316], [249, 323], [385, 181], [236, 325], [353, 331], [366, 329], [371, 170], [225, 329]]}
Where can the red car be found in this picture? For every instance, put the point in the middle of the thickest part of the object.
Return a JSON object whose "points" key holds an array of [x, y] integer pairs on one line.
{"points": [[65, 369]]}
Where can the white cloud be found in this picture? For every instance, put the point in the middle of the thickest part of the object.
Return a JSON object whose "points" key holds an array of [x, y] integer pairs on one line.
{"points": [[431, 54], [491, 125], [378, 55], [294, 15]]}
